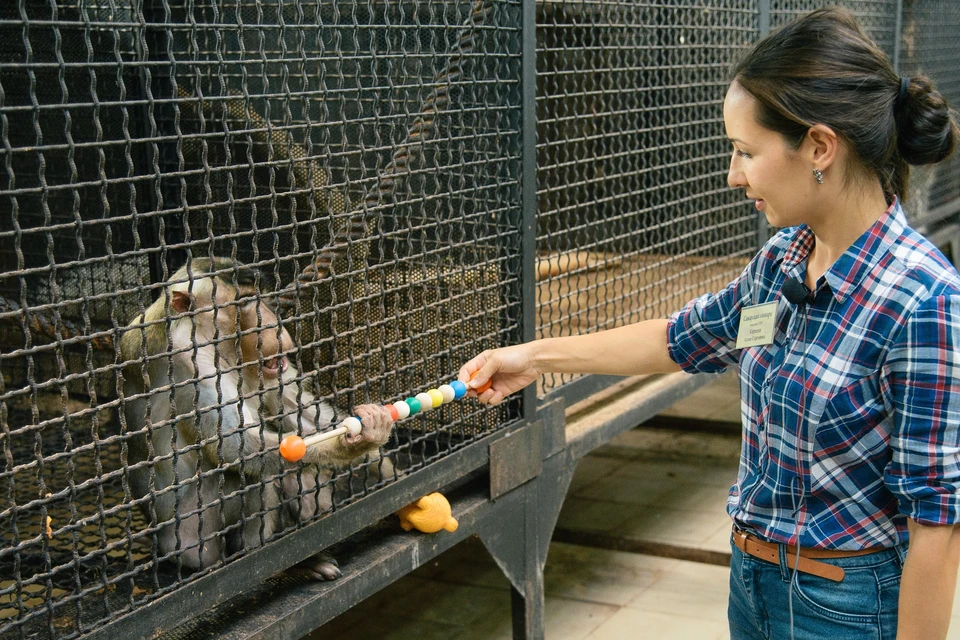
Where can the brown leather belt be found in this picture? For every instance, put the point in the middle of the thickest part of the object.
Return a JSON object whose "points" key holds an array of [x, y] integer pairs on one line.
{"points": [[770, 551]]}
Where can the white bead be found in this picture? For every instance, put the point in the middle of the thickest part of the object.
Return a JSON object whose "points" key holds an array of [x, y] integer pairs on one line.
{"points": [[353, 425], [426, 402], [448, 393], [403, 409]]}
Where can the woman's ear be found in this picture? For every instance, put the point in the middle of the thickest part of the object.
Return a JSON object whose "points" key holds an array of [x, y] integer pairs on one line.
{"points": [[821, 146]]}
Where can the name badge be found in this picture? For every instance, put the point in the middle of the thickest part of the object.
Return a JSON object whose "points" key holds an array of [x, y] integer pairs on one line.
{"points": [[757, 325]]}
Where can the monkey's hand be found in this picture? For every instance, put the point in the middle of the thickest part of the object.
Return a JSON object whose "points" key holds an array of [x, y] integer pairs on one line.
{"points": [[376, 425]]}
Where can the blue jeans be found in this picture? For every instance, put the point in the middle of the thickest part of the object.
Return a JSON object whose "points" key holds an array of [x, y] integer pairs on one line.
{"points": [[862, 607]]}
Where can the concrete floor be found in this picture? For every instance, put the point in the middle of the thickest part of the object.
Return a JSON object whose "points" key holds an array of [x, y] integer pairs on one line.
{"points": [[658, 491]]}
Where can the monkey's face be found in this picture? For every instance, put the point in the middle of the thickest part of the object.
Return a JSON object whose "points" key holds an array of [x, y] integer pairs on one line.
{"points": [[264, 343]]}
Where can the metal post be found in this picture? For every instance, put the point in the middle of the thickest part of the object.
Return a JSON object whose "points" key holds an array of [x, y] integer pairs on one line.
{"points": [[527, 605], [528, 188], [763, 11], [897, 35], [763, 28]]}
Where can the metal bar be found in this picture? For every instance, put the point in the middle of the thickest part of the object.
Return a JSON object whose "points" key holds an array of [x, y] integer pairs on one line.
{"points": [[897, 35], [625, 407], [276, 612], [528, 188], [938, 214], [582, 388], [763, 28], [587, 386], [763, 16]]}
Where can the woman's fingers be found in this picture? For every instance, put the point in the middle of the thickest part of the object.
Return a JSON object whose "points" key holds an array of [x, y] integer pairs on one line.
{"points": [[495, 374]]}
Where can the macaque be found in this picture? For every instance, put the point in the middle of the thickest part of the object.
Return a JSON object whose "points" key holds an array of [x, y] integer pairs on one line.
{"points": [[209, 392]]}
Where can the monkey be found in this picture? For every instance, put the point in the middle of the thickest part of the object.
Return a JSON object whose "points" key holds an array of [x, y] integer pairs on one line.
{"points": [[209, 391]]}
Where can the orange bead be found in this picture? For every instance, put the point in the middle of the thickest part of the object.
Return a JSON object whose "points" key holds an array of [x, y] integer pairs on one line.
{"points": [[484, 387], [394, 413], [292, 448]]}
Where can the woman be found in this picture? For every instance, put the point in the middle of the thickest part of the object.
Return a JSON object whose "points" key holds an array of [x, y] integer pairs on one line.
{"points": [[849, 376]]}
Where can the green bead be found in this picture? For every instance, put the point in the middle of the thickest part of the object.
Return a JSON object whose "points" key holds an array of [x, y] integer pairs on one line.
{"points": [[414, 405]]}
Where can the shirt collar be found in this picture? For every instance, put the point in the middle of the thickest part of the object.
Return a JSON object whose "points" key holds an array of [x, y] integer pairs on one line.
{"points": [[857, 261]]}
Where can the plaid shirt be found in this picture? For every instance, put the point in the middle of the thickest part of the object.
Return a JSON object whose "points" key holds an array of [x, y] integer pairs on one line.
{"points": [[858, 397]]}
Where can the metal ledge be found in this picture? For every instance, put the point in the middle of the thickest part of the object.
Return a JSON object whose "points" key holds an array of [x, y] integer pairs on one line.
{"points": [[247, 573], [290, 608], [598, 419]]}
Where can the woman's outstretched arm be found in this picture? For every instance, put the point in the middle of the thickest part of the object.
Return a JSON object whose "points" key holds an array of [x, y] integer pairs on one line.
{"points": [[631, 350]]}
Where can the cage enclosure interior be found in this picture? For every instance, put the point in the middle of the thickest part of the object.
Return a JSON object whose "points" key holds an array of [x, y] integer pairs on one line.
{"points": [[355, 163]]}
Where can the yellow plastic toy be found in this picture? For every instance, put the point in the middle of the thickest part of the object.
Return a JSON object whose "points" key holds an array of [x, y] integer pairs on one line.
{"points": [[428, 514]]}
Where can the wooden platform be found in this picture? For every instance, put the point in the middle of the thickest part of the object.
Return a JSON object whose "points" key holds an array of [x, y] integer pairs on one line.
{"points": [[581, 292]]}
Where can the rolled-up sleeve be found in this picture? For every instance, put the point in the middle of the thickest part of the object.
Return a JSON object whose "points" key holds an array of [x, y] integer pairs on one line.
{"points": [[922, 372], [702, 336]]}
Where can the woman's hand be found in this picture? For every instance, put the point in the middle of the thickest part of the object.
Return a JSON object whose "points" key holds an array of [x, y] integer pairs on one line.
{"points": [[509, 369]]}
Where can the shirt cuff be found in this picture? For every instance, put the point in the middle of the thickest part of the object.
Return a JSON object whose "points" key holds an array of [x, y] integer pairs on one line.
{"points": [[942, 509]]}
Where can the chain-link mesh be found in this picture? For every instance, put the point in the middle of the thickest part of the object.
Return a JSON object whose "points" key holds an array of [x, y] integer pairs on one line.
{"points": [[930, 46], [362, 157], [877, 17], [635, 216]]}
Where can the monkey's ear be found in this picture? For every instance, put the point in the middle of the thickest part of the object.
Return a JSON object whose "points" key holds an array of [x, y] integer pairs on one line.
{"points": [[180, 301]]}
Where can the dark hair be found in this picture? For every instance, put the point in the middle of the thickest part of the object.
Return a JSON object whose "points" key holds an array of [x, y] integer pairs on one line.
{"points": [[823, 69]]}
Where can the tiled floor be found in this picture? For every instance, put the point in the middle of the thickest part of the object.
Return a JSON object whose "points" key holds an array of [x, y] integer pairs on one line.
{"points": [[656, 487]]}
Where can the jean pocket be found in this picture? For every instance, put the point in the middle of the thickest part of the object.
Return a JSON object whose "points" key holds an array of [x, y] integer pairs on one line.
{"points": [[866, 595]]}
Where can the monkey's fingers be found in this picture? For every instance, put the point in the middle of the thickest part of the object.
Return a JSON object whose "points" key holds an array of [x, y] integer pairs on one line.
{"points": [[320, 567], [377, 423]]}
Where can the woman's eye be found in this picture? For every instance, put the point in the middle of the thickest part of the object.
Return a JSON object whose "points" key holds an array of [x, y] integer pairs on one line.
{"points": [[742, 154]]}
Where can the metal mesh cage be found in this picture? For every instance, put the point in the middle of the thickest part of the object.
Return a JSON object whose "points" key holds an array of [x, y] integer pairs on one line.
{"points": [[355, 167], [635, 217], [362, 156], [877, 17], [929, 46]]}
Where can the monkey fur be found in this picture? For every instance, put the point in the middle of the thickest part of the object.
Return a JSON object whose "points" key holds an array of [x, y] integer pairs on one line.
{"points": [[208, 393]]}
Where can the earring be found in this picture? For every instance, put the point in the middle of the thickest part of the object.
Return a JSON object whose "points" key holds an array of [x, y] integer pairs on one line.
{"points": [[818, 175]]}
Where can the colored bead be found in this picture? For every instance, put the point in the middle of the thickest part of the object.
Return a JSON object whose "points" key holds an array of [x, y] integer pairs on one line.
{"points": [[426, 402], [436, 396], [394, 412], [485, 386], [459, 389], [402, 408], [414, 405], [449, 395], [353, 425], [292, 448]]}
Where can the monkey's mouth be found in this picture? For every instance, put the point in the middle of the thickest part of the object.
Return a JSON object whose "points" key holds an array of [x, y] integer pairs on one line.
{"points": [[274, 366]]}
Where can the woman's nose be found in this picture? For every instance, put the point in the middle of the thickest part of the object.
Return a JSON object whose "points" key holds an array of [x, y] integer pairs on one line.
{"points": [[735, 177]]}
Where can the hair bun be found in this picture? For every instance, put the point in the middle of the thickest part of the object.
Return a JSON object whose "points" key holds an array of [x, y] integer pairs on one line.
{"points": [[926, 132]]}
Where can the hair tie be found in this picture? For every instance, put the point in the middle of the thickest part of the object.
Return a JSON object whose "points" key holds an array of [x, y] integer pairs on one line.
{"points": [[902, 95]]}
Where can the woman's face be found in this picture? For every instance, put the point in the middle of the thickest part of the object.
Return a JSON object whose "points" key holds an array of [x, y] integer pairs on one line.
{"points": [[772, 174]]}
